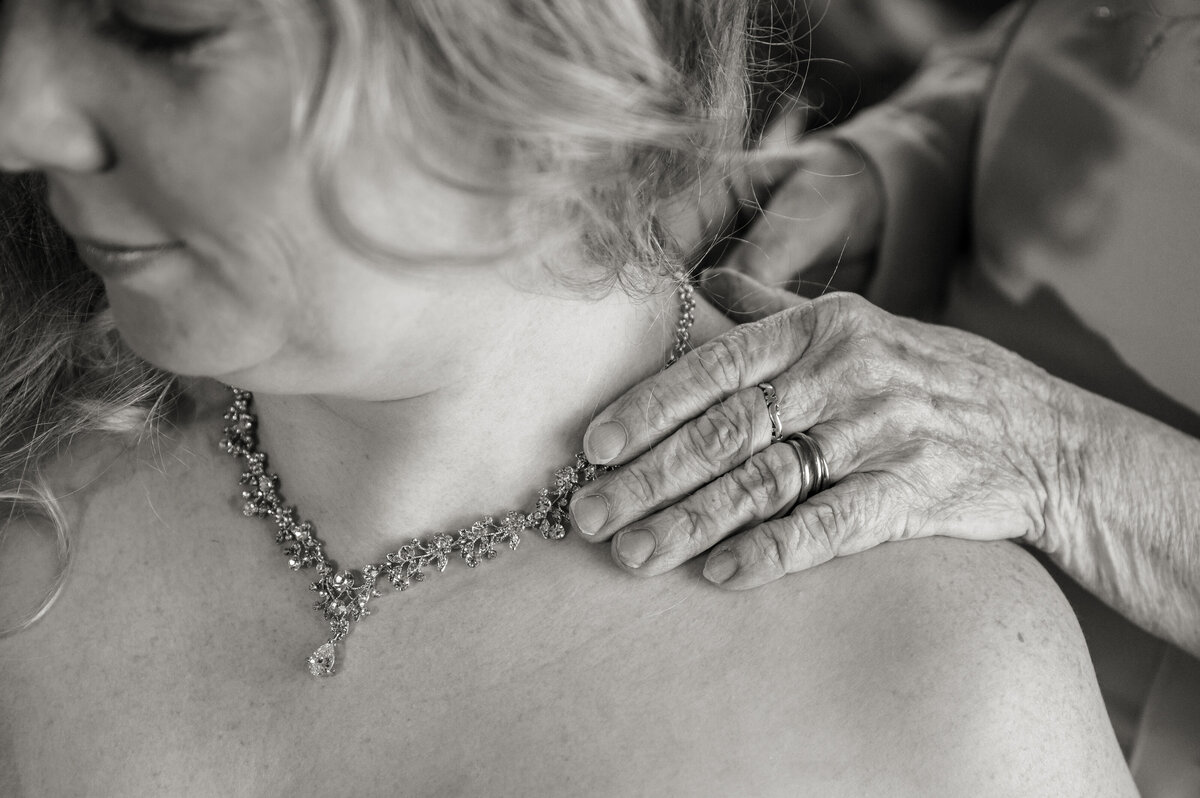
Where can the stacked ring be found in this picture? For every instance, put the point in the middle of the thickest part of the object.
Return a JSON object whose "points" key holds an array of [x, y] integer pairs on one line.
{"points": [[771, 396], [814, 470], [813, 466]]}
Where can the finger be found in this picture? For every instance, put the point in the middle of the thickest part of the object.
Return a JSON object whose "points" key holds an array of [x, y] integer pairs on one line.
{"points": [[733, 361], [807, 223], [694, 220], [742, 298], [720, 439], [758, 489], [827, 209], [780, 152], [848, 518], [743, 357]]}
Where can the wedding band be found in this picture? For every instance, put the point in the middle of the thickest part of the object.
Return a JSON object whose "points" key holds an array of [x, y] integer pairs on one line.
{"points": [[813, 461], [814, 470], [771, 397]]}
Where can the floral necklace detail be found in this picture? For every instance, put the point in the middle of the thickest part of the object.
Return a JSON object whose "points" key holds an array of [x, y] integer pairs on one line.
{"points": [[343, 595]]}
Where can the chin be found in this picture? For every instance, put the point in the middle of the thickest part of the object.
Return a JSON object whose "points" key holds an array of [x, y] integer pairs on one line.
{"points": [[190, 344]]}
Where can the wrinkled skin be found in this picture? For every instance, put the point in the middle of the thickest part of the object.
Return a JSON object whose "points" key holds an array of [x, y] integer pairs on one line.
{"points": [[927, 431]]}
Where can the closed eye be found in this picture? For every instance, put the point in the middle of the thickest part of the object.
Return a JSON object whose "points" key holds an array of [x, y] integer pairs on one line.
{"points": [[151, 41]]}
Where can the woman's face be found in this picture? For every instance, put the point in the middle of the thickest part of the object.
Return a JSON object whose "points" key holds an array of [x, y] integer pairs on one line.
{"points": [[164, 128]]}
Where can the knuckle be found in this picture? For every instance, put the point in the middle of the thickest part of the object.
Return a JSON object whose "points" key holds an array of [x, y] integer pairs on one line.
{"points": [[760, 481], [853, 304], [845, 309], [656, 410], [721, 434], [722, 362], [804, 321], [773, 545], [640, 484], [821, 527], [695, 526]]}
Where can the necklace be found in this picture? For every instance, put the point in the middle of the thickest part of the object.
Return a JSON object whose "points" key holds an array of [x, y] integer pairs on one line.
{"points": [[343, 595]]}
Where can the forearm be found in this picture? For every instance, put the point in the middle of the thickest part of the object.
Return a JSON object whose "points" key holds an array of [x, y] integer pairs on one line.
{"points": [[921, 144], [1128, 527]]}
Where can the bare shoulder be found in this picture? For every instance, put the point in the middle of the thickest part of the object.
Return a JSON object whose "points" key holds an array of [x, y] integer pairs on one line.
{"points": [[973, 660], [926, 668], [98, 479]]}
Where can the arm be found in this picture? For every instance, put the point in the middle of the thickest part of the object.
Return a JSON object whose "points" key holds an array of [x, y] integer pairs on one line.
{"points": [[1132, 537], [921, 144], [894, 180]]}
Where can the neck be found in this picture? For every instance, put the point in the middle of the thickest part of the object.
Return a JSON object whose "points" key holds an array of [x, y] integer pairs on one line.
{"points": [[481, 435]]}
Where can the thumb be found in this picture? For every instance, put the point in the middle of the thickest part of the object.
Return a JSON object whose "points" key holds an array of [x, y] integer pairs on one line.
{"points": [[744, 299]]}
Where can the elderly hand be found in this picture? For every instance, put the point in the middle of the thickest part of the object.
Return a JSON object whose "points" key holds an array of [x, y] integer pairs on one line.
{"points": [[926, 431]]}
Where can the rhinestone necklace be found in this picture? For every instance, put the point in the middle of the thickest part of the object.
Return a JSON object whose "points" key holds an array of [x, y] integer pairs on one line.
{"points": [[343, 595]]}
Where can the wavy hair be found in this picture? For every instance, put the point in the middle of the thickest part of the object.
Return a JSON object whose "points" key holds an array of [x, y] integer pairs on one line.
{"points": [[63, 370], [595, 116], [587, 116]]}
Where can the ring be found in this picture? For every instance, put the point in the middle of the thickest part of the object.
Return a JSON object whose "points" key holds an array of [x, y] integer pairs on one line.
{"points": [[772, 399], [814, 470], [812, 461]]}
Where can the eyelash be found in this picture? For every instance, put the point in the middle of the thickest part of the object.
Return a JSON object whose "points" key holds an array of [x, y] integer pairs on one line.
{"points": [[151, 42]]}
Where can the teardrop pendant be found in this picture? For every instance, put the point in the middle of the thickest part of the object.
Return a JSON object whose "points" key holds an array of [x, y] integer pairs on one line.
{"points": [[321, 662]]}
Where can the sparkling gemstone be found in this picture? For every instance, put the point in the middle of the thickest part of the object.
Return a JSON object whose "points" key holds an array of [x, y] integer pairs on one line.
{"points": [[322, 660]]}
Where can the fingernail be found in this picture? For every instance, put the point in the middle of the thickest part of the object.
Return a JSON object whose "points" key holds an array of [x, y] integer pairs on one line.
{"points": [[589, 513], [721, 567], [604, 443], [635, 547]]}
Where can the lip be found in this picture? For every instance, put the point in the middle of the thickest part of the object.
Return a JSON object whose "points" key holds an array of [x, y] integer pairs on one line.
{"points": [[119, 260]]}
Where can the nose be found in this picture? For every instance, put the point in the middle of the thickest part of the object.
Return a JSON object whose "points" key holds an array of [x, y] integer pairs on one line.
{"points": [[42, 127]]}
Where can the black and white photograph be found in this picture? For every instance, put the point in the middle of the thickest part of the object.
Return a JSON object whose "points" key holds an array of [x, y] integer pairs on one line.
{"points": [[600, 398]]}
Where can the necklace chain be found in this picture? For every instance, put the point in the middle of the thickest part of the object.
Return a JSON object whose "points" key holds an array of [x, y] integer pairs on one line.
{"points": [[343, 595]]}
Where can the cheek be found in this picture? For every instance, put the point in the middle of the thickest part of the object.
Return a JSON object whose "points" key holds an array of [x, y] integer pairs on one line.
{"points": [[219, 171], [204, 146], [399, 209], [210, 167]]}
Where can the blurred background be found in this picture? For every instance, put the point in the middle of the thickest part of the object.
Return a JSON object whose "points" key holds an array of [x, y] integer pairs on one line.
{"points": [[862, 50]]}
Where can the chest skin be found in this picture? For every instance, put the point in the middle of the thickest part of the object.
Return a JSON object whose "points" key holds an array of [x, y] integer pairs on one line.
{"points": [[173, 664]]}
